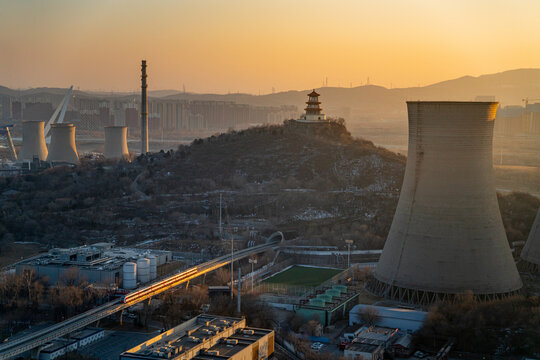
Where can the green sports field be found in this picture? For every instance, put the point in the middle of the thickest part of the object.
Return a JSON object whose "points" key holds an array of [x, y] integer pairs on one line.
{"points": [[302, 276]]}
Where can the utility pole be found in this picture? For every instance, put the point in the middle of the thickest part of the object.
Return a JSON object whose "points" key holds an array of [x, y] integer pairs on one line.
{"points": [[252, 262], [220, 228], [238, 304], [349, 243], [232, 267]]}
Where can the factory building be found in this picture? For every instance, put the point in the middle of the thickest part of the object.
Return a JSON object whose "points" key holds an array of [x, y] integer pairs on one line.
{"points": [[328, 303], [531, 251], [207, 337], [76, 340], [403, 319], [371, 343], [447, 235], [100, 263]]}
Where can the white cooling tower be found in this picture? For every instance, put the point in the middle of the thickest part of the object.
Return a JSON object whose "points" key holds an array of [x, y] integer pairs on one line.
{"points": [[116, 142], [62, 147], [531, 251], [153, 267], [143, 270], [447, 236], [33, 141], [129, 273]]}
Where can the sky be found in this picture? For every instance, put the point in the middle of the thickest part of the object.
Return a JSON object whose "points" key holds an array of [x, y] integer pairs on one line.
{"points": [[253, 46]]}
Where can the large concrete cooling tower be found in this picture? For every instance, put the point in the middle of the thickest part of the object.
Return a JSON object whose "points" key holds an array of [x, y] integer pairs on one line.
{"points": [[116, 142], [33, 141], [531, 250], [62, 147], [447, 235]]}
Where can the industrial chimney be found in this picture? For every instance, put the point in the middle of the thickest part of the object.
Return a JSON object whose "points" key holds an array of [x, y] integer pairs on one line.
{"points": [[33, 141], [531, 251], [116, 142], [447, 236], [144, 112], [62, 147]]}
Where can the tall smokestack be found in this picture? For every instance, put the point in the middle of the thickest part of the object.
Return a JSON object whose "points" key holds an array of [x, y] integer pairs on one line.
{"points": [[447, 236], [144, 113]]}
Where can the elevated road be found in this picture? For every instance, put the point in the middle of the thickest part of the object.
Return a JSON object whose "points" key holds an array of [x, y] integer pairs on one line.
{"points": [[33, 340]]}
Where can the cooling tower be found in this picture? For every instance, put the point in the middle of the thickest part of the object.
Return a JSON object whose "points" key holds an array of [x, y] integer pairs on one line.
{"points": [[116, 142], [447, 235], [531, 250], [62, 147], [33, 141]]}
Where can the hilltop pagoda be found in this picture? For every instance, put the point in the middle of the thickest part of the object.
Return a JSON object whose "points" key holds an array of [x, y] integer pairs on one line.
{"points": [[313, 110]]}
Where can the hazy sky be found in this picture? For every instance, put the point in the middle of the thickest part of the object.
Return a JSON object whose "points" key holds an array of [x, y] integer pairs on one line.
{"points": [[252, 46]]}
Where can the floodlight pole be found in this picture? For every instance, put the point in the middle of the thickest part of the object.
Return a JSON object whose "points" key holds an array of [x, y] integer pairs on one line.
{"points": [[349, 243]]}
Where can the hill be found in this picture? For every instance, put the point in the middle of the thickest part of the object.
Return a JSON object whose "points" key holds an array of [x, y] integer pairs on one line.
{"points": [[316, 183]]}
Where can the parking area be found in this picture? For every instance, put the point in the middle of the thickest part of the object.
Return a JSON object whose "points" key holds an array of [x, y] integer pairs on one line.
{"points": [[114, 343]]}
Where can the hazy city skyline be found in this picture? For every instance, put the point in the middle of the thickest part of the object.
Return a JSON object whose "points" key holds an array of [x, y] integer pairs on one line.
{"points": [[213, 46]]}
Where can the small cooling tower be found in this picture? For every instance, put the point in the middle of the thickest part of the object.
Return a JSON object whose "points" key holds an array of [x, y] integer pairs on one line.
{"points": [[62, 147], [531, 251], [153, 267], [447, 235], [143, 270], [129, 274], [33, 143], [116, 142]]}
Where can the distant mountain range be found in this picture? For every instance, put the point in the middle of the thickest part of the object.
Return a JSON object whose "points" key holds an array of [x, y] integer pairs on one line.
{"points": [[369, 101]]}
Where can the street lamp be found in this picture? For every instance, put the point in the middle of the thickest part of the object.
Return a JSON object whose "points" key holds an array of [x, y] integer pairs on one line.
{"points": [[349, 243], [252, 262]]}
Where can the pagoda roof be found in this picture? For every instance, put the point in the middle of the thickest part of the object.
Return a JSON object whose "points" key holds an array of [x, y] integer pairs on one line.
{"points": [[313, 93]]}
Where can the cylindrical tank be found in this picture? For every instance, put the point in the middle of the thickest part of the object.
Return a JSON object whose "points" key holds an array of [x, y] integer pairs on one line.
{"points": [[143, 270], [447, 235], [153, 267], [33, 143], [531, 250], [62, 147], [116, 142], [129, 274]]}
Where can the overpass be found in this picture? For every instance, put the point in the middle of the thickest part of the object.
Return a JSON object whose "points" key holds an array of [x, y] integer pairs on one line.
{"points": [[35, 339]]}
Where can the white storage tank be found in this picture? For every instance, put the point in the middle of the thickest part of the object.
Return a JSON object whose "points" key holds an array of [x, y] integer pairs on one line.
{"points": [[143, 270], [153, 267], [129, 275]]}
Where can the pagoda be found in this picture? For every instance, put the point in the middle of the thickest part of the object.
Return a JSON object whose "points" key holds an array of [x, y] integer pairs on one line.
{"points": [[313, 110]]}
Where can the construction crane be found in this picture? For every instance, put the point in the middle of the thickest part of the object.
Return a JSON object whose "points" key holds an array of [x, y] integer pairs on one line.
{"points": [[526, 101], [5, 131], [62, 107]]}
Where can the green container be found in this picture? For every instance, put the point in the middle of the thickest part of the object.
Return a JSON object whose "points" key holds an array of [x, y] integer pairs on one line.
{"points": [[325, 297], [341, 288], [333, 292], [316, 302]]}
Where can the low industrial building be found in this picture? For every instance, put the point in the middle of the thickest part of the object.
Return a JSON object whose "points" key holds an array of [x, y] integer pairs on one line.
{"points": [[370, 343], [207, 337], [100, 263], [76, 340], [329, 303], [407, 320]]}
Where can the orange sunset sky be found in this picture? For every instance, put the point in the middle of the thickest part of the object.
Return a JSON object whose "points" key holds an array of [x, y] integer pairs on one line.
{"points": [[253, 46]]}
